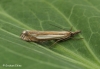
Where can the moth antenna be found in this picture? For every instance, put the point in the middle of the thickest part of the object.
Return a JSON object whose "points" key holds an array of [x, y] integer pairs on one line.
{"points": [[58, 27], [70, 29]]}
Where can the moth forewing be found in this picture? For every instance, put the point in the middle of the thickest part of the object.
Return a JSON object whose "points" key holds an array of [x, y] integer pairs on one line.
{"points": [[38, 36], [49, 36]]}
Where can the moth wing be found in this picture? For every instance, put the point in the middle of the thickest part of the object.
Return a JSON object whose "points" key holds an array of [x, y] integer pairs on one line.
{"points": [[49, 36]]}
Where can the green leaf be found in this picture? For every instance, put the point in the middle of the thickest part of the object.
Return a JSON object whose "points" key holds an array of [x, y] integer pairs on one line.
{"points": [[19, 15]]}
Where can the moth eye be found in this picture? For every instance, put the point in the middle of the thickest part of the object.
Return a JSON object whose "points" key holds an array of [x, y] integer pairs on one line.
{"points": [[24, 32]]}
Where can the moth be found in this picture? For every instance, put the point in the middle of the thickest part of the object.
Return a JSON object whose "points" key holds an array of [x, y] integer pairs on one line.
{"points": [[40, 36]]}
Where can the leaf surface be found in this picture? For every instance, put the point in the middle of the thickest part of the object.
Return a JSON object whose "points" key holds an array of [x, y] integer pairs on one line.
{"points": [[19, 15]]}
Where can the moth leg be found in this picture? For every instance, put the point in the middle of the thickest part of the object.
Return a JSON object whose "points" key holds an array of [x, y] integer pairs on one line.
{"points": [[70, 29], [57, 41], [76, 38]]}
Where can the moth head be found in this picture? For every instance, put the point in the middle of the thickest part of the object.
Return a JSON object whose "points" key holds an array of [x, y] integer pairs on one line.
{"points": [[25, 31], [24, 34]]}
